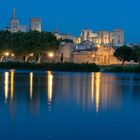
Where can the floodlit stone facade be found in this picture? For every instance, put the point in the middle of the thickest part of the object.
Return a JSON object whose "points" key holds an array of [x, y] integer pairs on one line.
{"points": [[103, 38], [98, 55]]}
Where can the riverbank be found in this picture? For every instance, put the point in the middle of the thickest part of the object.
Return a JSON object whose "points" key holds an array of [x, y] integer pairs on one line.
{"points": [[71, 67], [121, 69]]}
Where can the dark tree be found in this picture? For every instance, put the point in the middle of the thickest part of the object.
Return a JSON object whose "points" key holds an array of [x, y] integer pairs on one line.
{"points": [[136, 54], [27, 44], [124, 53]]}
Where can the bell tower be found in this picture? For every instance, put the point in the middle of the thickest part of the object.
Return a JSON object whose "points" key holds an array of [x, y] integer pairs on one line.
{"points": [[14, 23]]}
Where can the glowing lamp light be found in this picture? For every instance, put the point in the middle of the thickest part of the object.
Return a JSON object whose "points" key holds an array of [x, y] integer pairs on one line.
{"points": [[31, 54], [93, 55], [7, 54], [51, 54], [12, 55]]}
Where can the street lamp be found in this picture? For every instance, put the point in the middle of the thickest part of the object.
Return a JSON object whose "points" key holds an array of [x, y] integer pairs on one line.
{"points": [[51, 54], [12, 55], [31, 54], [6, 53]]}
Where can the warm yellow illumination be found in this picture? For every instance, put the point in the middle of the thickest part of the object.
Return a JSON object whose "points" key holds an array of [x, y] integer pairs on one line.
{"points": [[12, 55], [51, 54], [31, 85], [92, 87], [6, 53], [31, 54], [12, 83], [50, 85], [98, 46], [6, 84], [93, 55], [98, 75]]}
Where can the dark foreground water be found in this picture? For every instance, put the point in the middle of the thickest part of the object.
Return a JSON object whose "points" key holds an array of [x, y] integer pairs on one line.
{"points": [[69, 106]]}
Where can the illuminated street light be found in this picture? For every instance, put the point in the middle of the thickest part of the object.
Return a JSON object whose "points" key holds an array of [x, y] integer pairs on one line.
{"points": [[31, 54], [98, 45], [50, 54], [6, 54], [12, 55]]}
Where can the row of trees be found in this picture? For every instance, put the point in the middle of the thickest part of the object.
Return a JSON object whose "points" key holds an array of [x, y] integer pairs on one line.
{"points": [[126, 53], [39, 43], [26, 44]]}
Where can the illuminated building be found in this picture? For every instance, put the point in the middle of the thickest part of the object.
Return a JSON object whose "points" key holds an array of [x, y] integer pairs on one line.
{"points": [[88, 35], [64, 53], [86, 52], [35, 24], [85, 46], [103, 38], [117, 37], [14, 25]]}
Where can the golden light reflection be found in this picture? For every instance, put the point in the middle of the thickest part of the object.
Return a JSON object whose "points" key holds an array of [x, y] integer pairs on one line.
{"points": [[12, 83], [31, 85], [50, 85], [92, 87], [6, 84], [98, 75]]}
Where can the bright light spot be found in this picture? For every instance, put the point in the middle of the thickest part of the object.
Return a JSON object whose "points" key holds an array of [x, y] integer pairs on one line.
{"points": [[7, 54], [12, 54], [50, 86], [31, 54], [51, 54], [6, 84], [31, 85]]}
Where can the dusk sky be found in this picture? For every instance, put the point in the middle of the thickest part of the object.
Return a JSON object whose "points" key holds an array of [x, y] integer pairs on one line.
{"points": [[75, 15]]}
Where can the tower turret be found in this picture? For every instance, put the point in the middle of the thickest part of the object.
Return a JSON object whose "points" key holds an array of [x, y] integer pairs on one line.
{"points": [[14, 13]]}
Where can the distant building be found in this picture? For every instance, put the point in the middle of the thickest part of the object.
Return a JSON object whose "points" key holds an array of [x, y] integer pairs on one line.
{"points": [[64, 54], [84, 46], [117, 37], [88, 35], [86, 52], [14, 25], [103, 38], [35, 24]]}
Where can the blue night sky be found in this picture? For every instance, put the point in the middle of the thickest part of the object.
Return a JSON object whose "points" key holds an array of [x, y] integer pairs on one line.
{"points": [[75, 15]]}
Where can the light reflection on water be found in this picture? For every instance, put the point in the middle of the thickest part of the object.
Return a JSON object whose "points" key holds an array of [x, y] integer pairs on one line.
{"points": [[56, 94], [6, 82], [90, 92], [31, 85]]}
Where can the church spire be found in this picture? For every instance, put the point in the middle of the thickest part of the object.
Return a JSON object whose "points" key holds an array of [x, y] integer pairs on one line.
{"points": [[14, 13]]}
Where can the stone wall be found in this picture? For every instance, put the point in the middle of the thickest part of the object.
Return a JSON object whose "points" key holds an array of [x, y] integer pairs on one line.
{"points": [[103, 56]]}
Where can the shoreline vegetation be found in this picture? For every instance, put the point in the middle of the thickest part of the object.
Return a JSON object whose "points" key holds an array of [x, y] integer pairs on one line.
{"points": [[121, 69], [68, 67]]}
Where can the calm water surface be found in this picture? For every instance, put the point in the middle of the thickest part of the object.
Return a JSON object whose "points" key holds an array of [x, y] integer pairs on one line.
{"points": [[69, 106]]}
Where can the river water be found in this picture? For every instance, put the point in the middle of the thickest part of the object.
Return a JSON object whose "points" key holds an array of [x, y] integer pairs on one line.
{"points": [[69, 106]]}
